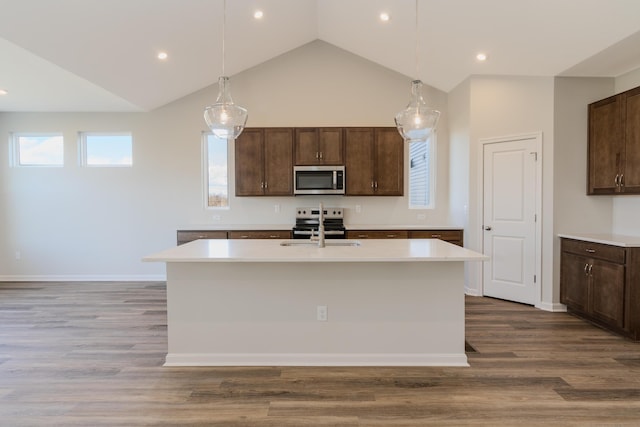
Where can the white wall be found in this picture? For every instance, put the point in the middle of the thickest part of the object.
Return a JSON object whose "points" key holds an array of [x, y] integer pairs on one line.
{"points": [[96, 223], [459, 146], [627, 81], [574, 211], [504, 106]]}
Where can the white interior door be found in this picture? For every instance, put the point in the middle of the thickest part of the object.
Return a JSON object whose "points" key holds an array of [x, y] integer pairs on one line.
{"points": [[511, 190]]}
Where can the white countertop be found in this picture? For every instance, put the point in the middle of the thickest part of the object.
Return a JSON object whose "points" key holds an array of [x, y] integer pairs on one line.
{"points": [[604, 238], [268, 250]]}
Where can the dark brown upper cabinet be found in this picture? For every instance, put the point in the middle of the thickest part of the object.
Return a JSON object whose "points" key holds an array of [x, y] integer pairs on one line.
{"points": [[614, 144], [319, 146]]}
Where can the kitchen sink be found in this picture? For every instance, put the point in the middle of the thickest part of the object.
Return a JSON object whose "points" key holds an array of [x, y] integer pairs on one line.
{"points": [[326, 243]]}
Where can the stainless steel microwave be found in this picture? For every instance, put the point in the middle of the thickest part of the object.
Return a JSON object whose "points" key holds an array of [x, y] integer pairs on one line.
{"points": [[318, 180]]}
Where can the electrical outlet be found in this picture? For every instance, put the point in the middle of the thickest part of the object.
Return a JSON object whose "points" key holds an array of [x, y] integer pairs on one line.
{"points": [[216, 217], [322, 313], [358, 209], [422, 216], [18, 255], [276, 208]]}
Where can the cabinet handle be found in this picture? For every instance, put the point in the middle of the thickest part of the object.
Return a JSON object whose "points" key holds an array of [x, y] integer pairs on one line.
{"points": [[262, 185], [391, 236], [590, 269], [436, 236], [591, 251], [617, 180], [317, 155], [265, 184], [622, 180], [321, 157], [586, 269], [273, 236], [363, 236], [376, 185], [373, 184]]}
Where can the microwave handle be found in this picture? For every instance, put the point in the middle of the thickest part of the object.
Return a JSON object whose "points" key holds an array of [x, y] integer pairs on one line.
{"points": [[335, 179]]}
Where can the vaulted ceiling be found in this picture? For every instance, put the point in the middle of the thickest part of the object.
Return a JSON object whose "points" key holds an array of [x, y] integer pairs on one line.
{"points": [[101, 55]]}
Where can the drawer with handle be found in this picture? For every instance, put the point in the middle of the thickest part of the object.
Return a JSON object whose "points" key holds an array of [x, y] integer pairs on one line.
{"points": [[186, 236], [453, 236], [377, 234], [262, 234], [594, 250]]}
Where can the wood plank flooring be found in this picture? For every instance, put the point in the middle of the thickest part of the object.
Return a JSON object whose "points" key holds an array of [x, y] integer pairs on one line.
{"points": [[91, 354]]}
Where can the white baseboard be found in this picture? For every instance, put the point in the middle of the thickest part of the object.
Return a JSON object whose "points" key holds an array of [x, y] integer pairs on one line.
{"points": [[86, 278], [298, 359], [552, 306], [472, 292]]}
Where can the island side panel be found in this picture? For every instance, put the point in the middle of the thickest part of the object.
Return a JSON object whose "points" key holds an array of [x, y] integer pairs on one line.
{"points": [[247, 313]]}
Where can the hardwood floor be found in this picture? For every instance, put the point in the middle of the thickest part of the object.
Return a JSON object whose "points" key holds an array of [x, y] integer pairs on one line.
{"points": [[91, 354]]}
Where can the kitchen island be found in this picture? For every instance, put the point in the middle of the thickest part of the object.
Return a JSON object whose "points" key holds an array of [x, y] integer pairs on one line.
{"points": [[362, 303]]}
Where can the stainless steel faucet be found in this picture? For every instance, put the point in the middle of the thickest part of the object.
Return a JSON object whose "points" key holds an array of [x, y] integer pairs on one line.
{"points": [[320, 237]]}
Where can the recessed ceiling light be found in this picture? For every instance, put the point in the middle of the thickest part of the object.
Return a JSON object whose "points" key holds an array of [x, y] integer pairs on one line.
{"points": [[482, 56], [258, 14], [384, 17], [3, 92], [162, 55]]}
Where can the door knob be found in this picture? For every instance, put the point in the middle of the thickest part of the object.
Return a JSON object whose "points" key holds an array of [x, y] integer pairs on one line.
{"points": [[487, 228]]}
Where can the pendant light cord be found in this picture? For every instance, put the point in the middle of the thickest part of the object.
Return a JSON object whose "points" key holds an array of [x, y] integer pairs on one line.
{"points": [[416, 31], [224, 30]]}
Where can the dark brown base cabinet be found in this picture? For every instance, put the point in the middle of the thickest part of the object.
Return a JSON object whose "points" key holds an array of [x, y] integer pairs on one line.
{"points": [[601, 283], [186, 236], [452, 236]]}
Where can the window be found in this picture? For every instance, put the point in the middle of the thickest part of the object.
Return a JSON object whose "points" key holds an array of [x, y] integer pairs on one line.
{"points": [[38, 149], [421, 174], [216, 171], [106, 149]]}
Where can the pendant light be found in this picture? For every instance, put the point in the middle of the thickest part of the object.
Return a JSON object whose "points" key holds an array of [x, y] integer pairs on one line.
{"points": [[224, 118], [417, 121]]}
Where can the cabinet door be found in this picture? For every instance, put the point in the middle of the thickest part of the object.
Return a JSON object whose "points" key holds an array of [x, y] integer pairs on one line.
{"points": [[278, 161], [631, 178], [330, 146], [605, 146], [607, 292], [389, 161], [306, 146], [249, 163], [574, 281], [359, 161]]}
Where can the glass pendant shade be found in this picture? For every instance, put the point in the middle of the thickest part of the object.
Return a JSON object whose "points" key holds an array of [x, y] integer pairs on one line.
{"points": [[224, 118], [417, 121]]}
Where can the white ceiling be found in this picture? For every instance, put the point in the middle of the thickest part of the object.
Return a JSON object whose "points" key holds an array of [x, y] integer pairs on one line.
{"points": [[100, 55]]}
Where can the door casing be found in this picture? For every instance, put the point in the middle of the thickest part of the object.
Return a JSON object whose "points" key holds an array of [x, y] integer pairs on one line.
{"points": [[537, 137]]}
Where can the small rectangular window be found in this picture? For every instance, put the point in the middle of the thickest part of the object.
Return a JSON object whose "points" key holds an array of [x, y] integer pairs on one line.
{"points": [[421, 178], [106, 149], [38, 149], [216, 171]]}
